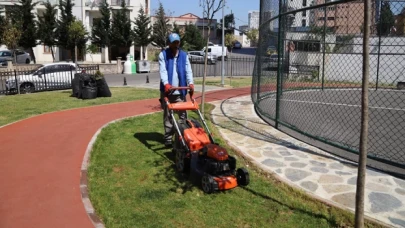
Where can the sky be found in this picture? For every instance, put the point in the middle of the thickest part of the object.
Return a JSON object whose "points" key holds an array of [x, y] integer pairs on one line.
{"points": [[179, 7]]}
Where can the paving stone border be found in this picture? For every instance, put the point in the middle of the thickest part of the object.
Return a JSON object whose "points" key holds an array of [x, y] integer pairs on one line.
{"points": [[322, 175]]}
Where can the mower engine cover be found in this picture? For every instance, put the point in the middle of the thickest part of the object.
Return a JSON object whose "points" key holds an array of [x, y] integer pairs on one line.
{"points": [[215, 152], [196, 138]]}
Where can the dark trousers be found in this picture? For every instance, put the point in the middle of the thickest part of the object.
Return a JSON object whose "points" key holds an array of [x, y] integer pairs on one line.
{"points": [[167, 121]]}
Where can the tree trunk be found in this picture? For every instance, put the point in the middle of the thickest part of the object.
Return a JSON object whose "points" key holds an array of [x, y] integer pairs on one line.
{"points": [[15, 57], [205, 72], [109, 54], [361, 174], [53, 54], [76, 53], [33, 55]]}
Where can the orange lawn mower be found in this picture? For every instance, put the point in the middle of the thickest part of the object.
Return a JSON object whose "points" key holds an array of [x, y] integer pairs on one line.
{"points": [[197, 152]]}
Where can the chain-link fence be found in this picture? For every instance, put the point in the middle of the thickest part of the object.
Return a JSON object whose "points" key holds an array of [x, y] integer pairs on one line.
{"points": [[314, 92]]}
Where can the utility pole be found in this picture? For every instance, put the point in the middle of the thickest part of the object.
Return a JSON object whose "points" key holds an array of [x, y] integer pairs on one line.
{"points": [[223, 45]]}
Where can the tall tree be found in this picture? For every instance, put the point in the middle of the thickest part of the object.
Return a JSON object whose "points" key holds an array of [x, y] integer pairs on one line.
{"points": [[100, 32], [77, 35], [11, 37], [160, 28], [253, 36], [47, 24], [193, 38], [176, 28], [25, 19], [2, 24], [210, 9], [121, 32], [386, 20], [229, 21], [142, 31], [66, 18]]}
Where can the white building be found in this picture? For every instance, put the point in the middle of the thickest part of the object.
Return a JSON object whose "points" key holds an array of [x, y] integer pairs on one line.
{"points": [[87, 11], [302, 19], [253, 19]]}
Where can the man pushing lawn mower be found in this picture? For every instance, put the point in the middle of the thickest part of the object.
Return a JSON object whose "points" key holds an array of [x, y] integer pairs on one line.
{"points": [[175, 70], [194, 146]]}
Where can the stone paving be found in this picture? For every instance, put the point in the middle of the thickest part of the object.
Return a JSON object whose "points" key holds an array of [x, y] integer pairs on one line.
{"points": [[306, 167]]}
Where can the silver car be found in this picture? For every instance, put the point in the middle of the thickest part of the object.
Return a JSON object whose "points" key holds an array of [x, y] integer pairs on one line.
{"points": [[7, 55], [47, 76], [198, 57]]}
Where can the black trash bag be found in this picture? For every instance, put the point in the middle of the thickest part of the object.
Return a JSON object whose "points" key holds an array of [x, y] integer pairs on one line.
{"points": [[89, 92], [88, 87], [102, 88], [76, 85]]}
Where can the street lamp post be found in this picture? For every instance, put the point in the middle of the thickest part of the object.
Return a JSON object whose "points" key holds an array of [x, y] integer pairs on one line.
{"points": [[223, 45]]}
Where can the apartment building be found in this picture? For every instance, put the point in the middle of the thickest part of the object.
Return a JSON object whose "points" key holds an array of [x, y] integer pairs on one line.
{"points": [[345, 18], [201, 23], [301, 19], [87, 11], [253, 19]]}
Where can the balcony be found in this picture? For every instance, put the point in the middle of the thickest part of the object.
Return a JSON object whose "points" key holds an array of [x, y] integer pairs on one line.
{"points": [[118, 2], [93, 3]]}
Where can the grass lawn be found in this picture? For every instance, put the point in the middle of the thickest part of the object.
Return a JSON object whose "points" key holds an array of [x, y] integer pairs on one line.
{"points": [[17, 107], [133, 183], [234, 82]]}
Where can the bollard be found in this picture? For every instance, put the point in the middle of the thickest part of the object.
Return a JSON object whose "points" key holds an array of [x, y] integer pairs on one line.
{"points": [[125, 81], [147, 78]]}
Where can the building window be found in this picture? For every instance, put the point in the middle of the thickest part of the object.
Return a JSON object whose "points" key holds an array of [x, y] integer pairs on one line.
{"points": [[304, 3], [307, 46], [47, 49], [321, 18], [304, 23], [331, 18], [304, 13]]}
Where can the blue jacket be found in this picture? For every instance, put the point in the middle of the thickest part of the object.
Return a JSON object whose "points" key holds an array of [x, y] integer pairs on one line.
{"points": [[182, 70]]}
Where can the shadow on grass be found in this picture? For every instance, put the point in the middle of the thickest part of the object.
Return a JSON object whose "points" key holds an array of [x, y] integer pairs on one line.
{"points": [[332, 222], [179, 181]]}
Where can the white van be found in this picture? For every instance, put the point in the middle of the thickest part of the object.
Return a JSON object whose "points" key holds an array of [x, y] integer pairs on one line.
{"points": [[216, 51]]}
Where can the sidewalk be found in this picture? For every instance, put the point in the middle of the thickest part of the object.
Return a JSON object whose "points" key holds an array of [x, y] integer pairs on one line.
{"points": [[317, 172], [42, 158]]}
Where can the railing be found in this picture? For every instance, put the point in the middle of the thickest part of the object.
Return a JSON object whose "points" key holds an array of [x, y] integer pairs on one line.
{"points": [[234, 66], [118, 2], [47, 78]]}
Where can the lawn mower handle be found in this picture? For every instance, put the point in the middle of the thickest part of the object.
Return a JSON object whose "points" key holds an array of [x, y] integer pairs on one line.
{"points": [[172, 89]]}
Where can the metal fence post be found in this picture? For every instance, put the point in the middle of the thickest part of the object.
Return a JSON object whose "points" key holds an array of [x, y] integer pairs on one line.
{"points": [[279, 73], [324, 49], [44, 73], [379, 48], [71, 76], [16, 81]]}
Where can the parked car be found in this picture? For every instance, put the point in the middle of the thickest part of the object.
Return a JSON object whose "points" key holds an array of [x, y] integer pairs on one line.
{"points": [[47, 76], [198, 57], [271, 50], [237, 45], [7, 55]]}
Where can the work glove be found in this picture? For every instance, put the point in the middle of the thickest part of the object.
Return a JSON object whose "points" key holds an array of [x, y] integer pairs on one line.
{"points": [[191, 89], [167, 88]]}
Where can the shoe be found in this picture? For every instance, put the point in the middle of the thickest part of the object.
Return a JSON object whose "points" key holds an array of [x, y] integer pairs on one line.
{"points": [[168, 144]]}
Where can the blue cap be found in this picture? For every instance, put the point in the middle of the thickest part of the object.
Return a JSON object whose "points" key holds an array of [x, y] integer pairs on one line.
{"points": [[174, 37]]}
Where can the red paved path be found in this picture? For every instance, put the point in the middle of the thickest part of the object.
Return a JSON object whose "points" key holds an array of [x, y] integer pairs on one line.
{"points": [[41, 160]]}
